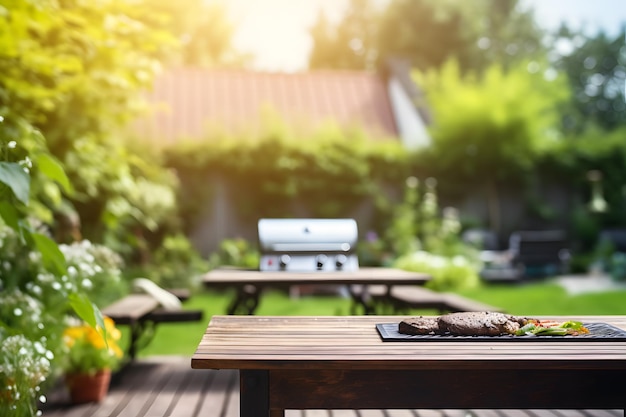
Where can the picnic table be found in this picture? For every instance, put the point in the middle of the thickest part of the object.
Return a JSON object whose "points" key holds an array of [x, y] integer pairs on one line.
{"points": [[250, 284], [320, 362]]}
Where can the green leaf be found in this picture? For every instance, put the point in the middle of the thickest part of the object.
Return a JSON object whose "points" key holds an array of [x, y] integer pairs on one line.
{"points": [[9, 214], [84, 308], [52, 256], [51, 168], [17, 179], [88, 312]]}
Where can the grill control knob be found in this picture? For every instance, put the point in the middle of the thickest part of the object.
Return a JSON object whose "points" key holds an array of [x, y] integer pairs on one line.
{"points": [[321, 260], [340, 261], [283, 261]]}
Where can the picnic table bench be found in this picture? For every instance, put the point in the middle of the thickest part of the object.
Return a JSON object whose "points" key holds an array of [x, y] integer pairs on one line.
{"points": [[401, 298], [142, 312]]}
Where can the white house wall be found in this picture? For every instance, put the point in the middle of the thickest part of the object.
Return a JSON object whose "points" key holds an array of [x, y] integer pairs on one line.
{"points": [[411, 127]]}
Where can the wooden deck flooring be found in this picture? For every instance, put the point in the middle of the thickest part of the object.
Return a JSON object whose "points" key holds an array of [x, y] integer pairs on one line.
{"points": [[167, 386]]}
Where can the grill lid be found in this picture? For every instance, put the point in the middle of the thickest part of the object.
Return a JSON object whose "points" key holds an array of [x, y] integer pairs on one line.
{"points": [[307, 235]]}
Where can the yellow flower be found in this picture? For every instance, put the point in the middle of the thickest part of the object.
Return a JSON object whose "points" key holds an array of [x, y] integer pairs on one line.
{"points": [[89, 350], [116, 350], [95, 338], [73, 334], [112, 331]]}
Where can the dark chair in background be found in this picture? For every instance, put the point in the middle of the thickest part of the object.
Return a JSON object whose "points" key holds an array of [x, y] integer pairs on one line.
{"points": [[530, 254]]}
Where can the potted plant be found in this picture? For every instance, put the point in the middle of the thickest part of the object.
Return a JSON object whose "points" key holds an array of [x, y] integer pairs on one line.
{"points": [[93, 353]]}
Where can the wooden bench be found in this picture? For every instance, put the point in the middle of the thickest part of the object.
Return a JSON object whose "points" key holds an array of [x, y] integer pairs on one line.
{"points": [[404, 297], [142, 312]]}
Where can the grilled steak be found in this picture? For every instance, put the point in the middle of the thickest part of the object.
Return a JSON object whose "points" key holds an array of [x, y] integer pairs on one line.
{"points": [[419, 325], [484, 323]]}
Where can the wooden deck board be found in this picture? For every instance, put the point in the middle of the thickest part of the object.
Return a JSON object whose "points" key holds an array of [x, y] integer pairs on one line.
{"points": [[167, 386]]}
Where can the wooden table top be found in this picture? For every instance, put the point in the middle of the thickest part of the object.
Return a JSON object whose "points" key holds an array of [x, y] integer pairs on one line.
{"points": [[352, 342], [370, 275]]}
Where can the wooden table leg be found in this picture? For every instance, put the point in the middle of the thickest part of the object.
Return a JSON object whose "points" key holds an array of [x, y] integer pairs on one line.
{"points": [[361, 298], [254, 394], [246, 300]]}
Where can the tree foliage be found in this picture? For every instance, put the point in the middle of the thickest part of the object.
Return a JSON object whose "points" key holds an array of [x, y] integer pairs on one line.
{"points": [[596, 68], [349, 45], [73, 71], [421, 32], [329, 172], [203, 29], [427, 33], [490, 129]]}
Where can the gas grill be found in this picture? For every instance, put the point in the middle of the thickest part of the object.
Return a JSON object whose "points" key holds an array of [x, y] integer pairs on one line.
{"points": [[308, 245]]}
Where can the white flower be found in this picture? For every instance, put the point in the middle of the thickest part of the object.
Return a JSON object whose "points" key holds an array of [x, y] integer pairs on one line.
{"points": [[12, 144], [17, 311], [39, 348]]}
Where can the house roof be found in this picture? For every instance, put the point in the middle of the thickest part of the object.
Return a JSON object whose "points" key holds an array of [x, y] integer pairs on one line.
{"points": [[187, 101]]}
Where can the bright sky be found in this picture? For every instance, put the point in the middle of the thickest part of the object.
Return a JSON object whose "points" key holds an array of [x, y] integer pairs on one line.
{"points": [[277, 31]]}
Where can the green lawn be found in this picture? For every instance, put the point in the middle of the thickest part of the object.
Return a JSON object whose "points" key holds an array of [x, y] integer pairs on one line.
{"points": [[542, 298]]}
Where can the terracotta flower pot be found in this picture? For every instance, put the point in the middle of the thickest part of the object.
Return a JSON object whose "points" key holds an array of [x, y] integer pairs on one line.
{"points": [[84, 388]]}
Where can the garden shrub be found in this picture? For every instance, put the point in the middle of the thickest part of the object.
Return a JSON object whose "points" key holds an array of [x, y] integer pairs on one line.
{"points": [[448, 273], [236, 252], [176, 264], [24, 366], [329, 173]]}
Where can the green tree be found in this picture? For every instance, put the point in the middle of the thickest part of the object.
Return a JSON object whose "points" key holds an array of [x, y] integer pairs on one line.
{"points": [[204, 31], [489, 129], [73, 71], [596, 68], [421, 32], [350, 44], [427, 33]]}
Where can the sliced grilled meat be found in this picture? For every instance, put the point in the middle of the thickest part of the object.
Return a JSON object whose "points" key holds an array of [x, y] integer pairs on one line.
{"points": [[419, 325], [486, 323]]}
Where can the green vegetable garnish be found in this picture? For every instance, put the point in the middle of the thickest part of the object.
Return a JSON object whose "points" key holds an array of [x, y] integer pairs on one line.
{"points": [[565, 328]]}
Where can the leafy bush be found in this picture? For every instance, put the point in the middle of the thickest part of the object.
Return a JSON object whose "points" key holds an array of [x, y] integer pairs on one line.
{"points": [[372, 250], [24, 366], [236, 252], [92, 269], [328, 172], [176, 264], [36, 285], [427, 240], [448, 273]]}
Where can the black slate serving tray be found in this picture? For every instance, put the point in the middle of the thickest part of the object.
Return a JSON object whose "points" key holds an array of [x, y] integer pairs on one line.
{"points": [[597, 332]]}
